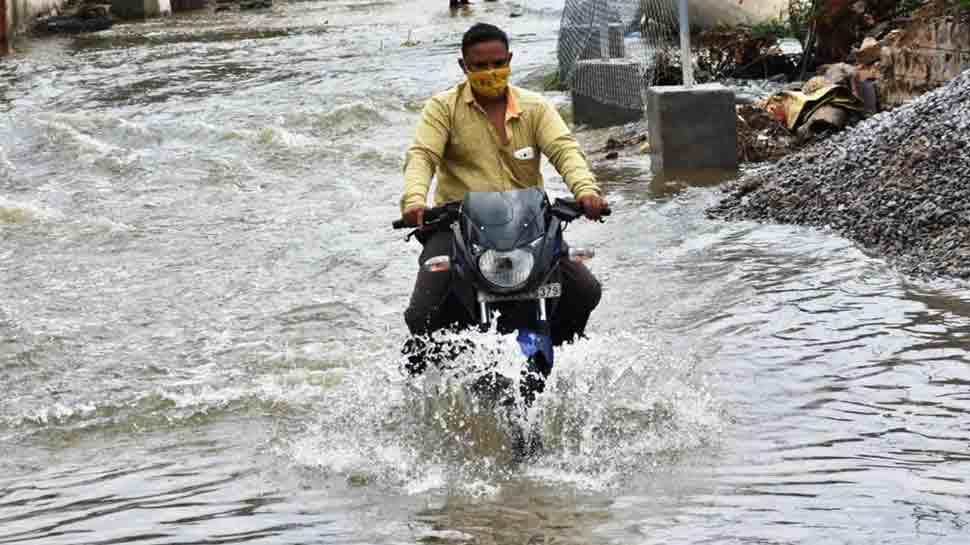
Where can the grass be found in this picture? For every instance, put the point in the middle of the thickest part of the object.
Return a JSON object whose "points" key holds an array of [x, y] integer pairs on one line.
{"points": [[551, 82], [770, 29], [793, 24]]}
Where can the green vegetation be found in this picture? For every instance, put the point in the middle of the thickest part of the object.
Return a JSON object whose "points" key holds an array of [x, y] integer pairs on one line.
{"points": [[551, 82], [800, 15], [794, 24], [774, 28], [905, 7]]}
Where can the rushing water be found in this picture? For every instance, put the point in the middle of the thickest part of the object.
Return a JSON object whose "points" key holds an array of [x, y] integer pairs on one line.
{"points": [[200, 316]]}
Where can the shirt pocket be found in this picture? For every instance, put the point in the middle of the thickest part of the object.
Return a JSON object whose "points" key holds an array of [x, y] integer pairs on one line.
{"points": [[522, 157]]}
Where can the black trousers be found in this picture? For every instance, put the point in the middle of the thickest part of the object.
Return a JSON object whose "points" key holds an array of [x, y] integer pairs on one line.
{"points": [[432, 307]]}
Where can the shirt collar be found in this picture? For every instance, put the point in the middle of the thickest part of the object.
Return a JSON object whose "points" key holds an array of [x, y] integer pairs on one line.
{"points": [[512, 110]]}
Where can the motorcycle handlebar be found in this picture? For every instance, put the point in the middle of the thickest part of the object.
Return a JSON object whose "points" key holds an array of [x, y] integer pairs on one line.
{"points": [[433, 214], [573, 209]]}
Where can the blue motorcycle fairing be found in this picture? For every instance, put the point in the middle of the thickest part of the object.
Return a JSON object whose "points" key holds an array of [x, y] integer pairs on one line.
{"points": [[533, 343]]}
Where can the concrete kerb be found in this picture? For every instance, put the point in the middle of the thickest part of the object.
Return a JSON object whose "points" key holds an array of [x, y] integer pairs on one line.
{"points": [[692, 129]]}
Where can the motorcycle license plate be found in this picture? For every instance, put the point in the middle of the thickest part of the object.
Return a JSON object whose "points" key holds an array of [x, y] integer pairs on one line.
{"points": [[542, 292]]}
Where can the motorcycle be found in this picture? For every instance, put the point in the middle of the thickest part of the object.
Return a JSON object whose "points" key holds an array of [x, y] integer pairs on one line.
{"points": [[504, 262]]}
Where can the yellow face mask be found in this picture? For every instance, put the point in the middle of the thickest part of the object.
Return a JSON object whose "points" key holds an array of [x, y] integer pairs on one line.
{"points": [[490, 83]]}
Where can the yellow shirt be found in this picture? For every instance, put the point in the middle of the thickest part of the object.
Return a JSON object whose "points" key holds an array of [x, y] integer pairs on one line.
{"points": [[456, 140]]}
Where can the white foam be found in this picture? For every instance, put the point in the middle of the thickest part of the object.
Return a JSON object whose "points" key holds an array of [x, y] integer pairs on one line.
{"points": [[7, 168], [351, 117], [12, 211], [615, 404]]}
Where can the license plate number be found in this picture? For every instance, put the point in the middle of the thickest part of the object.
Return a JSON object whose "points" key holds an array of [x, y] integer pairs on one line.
{"points": [[542, 292]]}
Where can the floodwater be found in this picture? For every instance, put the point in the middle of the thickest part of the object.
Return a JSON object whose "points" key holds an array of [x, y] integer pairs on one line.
{"points": [[201, 310]]}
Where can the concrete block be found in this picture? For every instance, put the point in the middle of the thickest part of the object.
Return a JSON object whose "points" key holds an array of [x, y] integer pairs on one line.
{"points": [[607, 93], [140, 9], [692, 128]]}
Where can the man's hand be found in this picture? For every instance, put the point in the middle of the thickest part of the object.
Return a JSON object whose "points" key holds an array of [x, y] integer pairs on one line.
{"points": [[593, 206], [414, 216]]}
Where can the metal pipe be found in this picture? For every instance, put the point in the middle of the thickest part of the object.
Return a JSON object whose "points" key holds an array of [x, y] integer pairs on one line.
{"points": [[687, 65], [604, 41], [809, 41], [483, 317]]}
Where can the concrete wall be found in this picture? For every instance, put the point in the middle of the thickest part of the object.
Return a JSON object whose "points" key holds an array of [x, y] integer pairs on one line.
{"points": [[922, 57], [21, 13]]}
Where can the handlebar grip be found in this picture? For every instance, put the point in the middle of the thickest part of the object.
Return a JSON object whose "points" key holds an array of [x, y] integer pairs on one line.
{"points": [[431, 215]]}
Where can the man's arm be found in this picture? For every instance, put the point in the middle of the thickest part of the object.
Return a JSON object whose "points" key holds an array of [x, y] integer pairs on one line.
{"points": [[424, 155], [558, 144]]}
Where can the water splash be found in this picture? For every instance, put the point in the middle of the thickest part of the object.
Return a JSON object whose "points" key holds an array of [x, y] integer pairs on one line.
{"points": [[613, 404]]}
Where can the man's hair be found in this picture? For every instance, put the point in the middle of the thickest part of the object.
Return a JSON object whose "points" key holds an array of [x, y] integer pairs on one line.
{"points": [[482, 32]]}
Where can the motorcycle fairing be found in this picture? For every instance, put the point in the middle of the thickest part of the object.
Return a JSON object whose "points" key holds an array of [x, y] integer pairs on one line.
{"points": [[533, 344], [504, 220]]}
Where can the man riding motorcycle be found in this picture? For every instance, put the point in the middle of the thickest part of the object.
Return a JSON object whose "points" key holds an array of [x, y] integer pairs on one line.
{"points": [[486, 135]]}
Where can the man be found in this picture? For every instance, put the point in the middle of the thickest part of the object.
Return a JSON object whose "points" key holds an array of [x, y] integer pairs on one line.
{"points": [[486, 135]]}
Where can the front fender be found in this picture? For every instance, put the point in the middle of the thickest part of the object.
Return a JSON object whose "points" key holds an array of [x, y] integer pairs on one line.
{"points": [[537, 347]]}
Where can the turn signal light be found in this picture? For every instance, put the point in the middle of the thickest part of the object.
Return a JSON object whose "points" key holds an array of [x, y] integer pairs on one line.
{"points": [[581, 255]]}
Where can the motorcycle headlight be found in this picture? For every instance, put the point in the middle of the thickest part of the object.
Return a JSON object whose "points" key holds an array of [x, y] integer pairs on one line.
{"points": [[506, 269]]}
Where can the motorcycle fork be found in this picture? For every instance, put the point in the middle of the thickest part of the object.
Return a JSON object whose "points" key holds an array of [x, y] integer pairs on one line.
{"points": [[541, 315]]}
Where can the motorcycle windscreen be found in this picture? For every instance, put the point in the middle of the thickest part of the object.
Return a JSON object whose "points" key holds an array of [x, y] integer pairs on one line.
{"points": [[504, 220]]}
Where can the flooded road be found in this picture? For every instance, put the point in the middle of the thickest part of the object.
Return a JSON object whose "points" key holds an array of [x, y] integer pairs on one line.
{"points": [[201, 311]]}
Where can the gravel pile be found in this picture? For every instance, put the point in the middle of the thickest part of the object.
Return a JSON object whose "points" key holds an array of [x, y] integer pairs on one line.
{"points": [[898, 184]]}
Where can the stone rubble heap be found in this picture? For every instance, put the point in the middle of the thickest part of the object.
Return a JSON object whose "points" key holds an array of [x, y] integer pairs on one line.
{"points": [[898, 184]]}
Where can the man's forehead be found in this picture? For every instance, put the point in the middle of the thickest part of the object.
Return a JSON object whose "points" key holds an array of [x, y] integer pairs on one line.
{"points": [[488, 48]]}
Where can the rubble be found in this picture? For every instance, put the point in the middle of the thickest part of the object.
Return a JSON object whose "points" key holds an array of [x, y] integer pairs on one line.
{"points": [[904, 50], [895, 183], [760, 137], [883, 60], [869, 52], [633, 136]]}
